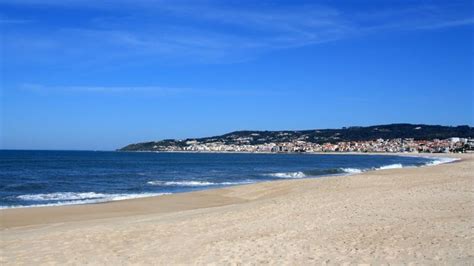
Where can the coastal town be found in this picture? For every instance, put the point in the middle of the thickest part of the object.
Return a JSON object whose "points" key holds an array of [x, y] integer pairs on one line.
{"points": [[297, 146], [380, 138]]}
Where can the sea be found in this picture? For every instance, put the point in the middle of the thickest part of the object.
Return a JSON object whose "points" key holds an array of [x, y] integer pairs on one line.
{"points": [[44, 178]]}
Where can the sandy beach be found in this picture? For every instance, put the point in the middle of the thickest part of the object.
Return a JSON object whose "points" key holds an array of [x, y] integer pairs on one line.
{"points": [[413, 215]]}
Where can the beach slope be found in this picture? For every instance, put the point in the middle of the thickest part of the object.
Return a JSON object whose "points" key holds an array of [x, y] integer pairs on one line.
{"points": [[422, 215]]}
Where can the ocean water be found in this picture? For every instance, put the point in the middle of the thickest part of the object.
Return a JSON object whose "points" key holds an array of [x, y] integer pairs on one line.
{"points": [[39, 178]]}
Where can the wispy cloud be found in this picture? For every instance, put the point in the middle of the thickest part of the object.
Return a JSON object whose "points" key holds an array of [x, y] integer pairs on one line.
{"points": [[212, 32], [9, 20], [448, 24], [155, 91], [13, 21]]}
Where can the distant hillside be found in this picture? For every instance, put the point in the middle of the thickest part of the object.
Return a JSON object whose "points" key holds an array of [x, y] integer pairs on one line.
{"points": [[392, 131]]}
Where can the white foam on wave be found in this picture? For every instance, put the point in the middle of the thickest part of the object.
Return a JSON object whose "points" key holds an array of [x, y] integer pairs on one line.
{"points": [[441, 160], [193, 183], [352, 170], [236, 183], [74, 198], [288, 175], [181, 183], [61, 196], [391, 166]]}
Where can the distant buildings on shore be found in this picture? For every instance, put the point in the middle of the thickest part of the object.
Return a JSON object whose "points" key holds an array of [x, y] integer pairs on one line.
{"points": [[379, 145]]}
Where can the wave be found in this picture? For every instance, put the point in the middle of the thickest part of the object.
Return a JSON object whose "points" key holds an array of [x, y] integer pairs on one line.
{"points": [[390, 166], [442, 160], [74, 198], [352, 170], [436, 161], [61, 196], [181, 183], [192, 183], [320, 172], [349, 170], [236, 183], [334, 171], [288, 175]]}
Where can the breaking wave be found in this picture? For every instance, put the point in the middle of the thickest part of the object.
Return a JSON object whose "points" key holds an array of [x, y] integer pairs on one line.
{"points": [[352, 170], [74, 198], [438, 161], [288, 175], [320, 172], [390, 166], [61, 196], [192, 183]]}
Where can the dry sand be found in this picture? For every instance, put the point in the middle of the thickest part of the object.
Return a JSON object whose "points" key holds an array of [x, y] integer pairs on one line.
{"points": [[423, 215]]}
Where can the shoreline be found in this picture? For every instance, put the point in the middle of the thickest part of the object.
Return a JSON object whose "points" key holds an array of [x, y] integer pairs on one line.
{"points": [[302, 153], [141, 196], [407, 215], [50, 208]]}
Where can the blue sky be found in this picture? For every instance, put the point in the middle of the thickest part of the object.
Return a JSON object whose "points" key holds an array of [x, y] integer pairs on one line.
{"points": [[85, 74]]}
